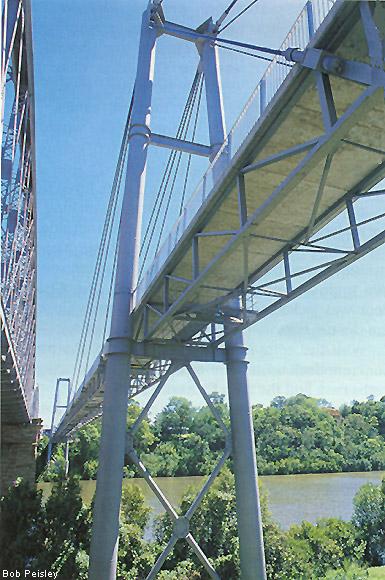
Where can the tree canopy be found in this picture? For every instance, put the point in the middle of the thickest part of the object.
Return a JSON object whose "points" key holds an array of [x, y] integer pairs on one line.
{"points": [[298, 434]]}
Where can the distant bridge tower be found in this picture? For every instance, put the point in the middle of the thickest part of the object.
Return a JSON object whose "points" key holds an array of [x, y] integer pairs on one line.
{"points": [[19, 394]]}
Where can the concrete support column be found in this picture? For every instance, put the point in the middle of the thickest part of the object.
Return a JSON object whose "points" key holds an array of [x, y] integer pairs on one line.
{"points": [[252, 558], [18, 452], [105, 533]]}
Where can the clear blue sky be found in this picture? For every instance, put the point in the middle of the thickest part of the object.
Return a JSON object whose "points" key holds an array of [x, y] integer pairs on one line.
{"points": [[328, 343]]}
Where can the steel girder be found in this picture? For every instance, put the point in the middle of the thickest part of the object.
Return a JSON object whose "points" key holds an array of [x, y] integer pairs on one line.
{"points": [[18, 198]]}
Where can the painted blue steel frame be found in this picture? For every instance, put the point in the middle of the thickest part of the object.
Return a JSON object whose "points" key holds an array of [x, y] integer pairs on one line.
{"points": [[18, 226], [205, 321]]}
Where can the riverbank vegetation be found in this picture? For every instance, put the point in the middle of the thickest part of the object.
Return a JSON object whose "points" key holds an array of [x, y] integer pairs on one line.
{"points": [[300, 434], [55, 535]]}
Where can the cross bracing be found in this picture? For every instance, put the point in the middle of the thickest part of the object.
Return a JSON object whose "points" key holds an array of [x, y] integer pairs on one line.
{"points": [[312, 152]]}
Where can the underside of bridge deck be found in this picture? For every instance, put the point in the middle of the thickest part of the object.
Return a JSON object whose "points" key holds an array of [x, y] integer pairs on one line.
{"points": [[311, 154]]}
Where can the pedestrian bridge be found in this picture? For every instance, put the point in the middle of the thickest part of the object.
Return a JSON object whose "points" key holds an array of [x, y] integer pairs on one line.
{"points": [[305, 153]]}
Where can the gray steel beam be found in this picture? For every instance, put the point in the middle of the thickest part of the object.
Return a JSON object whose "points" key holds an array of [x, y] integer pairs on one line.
{"points": [[180, 145], [280, 156], [174, 351]]}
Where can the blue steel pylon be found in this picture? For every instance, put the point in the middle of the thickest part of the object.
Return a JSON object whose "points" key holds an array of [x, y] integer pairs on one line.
{"points": [[104, 544], [55, 407]]}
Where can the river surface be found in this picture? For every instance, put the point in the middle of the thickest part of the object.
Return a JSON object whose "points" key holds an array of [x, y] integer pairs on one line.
{"points": [[291, 498]]}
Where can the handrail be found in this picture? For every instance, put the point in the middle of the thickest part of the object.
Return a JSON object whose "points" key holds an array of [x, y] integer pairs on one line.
{"points": [[307, 23]]}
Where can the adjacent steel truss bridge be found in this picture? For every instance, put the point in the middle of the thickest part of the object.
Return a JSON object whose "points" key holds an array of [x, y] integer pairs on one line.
{"points": [[19, 397], [290, 197]]}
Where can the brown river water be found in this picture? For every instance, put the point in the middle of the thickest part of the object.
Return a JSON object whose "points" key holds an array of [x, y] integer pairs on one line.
{"points": [[291, 498]]}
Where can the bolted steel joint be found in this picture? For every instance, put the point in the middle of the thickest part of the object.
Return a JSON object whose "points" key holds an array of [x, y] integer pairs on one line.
{"points": [[332, 64], [181, 527], [236, 354]]}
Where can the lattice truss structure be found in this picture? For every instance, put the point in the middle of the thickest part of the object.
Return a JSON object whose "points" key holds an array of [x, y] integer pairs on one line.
{"points": [[300, 201], [18, 222], [308, 198]]}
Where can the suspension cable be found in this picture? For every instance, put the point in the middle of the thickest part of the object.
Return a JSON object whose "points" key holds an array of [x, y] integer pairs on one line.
{"points": [[253, 55], [171, 159], [106, 254], [192, 139], [180, 153], [238, 15], [103, 247], [174, 157], [225, 14]]}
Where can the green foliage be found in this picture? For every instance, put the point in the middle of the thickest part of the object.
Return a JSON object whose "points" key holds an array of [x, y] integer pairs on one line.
{"points": [[349, 571], [369, 518], [328, 544], [22, 517], [376, 573], [66, 529], [135, 555], [54, 536], [299, 435], [176, 419], [294, 435]]}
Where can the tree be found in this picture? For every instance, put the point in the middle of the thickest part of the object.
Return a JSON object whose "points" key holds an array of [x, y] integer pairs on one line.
{"points": [[207, 427], [175, 419], [21, 519], [278, 402], [66, 529], [369, 518], [327, 544], [135, 555], [54, 536]]}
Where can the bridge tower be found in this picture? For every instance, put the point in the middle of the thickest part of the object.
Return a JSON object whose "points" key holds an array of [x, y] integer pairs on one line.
{"points": [[104, 544]]}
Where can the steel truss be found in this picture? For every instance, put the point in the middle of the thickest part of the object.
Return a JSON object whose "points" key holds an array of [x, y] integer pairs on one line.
{"points": [[18, 226], [181, 523], [372, 78]]}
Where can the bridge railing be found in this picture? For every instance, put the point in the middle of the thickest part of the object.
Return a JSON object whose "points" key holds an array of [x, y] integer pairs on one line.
{"points": [[306, 24]]}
